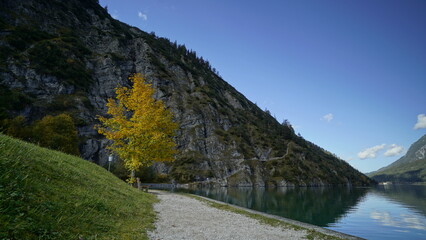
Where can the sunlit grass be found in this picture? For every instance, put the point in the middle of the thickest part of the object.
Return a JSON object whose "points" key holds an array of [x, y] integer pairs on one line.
{"points": [[46, 194]]}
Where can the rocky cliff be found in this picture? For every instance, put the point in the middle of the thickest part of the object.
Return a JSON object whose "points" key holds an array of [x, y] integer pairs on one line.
{"points": [[68, 56]]}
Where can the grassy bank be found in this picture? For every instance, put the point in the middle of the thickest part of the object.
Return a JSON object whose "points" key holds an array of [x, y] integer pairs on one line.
{"points": [[46, 194]]}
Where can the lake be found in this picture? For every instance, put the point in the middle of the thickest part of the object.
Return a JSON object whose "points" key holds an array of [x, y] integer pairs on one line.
{"points": [[382, 212]]}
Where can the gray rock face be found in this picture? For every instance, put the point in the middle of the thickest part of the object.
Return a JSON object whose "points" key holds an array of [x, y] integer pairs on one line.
{"points": [[224, 130], [421, 153]]}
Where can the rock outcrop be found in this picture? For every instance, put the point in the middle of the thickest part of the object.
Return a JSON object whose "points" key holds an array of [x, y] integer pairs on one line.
{"points": [[68, 56]]}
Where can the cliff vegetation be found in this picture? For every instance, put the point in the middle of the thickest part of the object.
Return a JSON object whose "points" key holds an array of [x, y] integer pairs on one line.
{"points": [[67, 57]]}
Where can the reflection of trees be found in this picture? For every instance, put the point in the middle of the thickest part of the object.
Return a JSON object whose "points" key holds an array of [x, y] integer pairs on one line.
{"points": [[411, 196], [319, 206]]}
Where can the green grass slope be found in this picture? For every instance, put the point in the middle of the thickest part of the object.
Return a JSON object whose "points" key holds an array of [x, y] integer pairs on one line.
{"points": [[410, 168], [410, 172], [46, 194]]}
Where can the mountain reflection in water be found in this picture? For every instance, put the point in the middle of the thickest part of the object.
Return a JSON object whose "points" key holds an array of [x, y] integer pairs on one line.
{"points": [[382, 212], [320, 205], [410, 196]]}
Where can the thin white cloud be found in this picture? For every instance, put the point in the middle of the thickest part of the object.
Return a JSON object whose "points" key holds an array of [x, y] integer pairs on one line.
{"points": [[327, 117], [421, 121], [370, 152], [394, 150], [142, 15]]}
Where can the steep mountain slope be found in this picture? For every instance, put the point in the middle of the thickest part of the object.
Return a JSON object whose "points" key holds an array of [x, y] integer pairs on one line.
{"points": [[409, 168], [68, 56]]}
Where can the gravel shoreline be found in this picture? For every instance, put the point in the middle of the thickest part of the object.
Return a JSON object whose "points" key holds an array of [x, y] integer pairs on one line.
{"points": [[183, 217]]}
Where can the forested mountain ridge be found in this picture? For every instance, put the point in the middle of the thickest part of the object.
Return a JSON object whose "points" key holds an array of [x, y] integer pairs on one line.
{"points": [[409, 168], [68, 56]]}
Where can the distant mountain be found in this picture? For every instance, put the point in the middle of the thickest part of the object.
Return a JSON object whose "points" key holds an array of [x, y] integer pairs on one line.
{"points": [[68, 56], [409, 168]]}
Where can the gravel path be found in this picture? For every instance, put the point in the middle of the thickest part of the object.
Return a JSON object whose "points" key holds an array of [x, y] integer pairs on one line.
{"points": [[181, 217]]}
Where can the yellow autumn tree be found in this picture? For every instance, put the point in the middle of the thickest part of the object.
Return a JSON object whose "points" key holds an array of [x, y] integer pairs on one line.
{"points": [[140, 127]]}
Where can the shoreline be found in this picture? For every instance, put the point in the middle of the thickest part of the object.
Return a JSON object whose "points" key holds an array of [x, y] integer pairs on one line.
{"points": [[308, 226], [285, 225]]}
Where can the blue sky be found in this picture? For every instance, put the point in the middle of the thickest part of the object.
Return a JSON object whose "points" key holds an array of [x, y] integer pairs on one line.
{"points": [[349, 75]]}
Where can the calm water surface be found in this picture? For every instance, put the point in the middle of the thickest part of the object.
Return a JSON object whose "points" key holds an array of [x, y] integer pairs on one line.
{"points": [[383, 212]]}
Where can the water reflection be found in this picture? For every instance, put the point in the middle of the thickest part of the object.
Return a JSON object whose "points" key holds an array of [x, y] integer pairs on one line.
{"points": [[319, 206], [401, 221], [411, 211], [413, 197], [383, 212]]}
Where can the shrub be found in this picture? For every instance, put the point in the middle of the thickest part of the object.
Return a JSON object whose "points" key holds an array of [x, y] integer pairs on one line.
{"points": [[12, 99], [58, 133], [17, 128]]}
